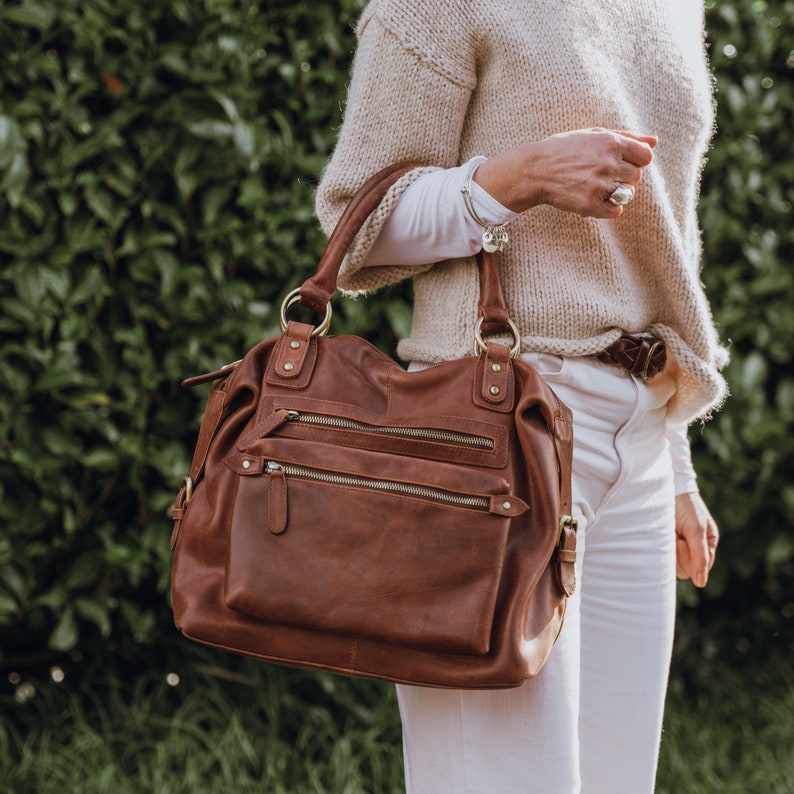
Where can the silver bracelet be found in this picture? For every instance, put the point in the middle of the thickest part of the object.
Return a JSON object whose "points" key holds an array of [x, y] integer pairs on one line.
{"points": [[495, 235]]}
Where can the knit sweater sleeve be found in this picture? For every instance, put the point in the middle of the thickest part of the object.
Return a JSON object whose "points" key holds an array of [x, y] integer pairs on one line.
{"points": [[411, 83]]}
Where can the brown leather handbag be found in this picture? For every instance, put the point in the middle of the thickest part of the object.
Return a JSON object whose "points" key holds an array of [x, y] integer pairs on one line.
{"points": [[346, 515]]}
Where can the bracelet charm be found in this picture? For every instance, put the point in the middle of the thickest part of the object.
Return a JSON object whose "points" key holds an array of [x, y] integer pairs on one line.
{"points": [[494, 238]]}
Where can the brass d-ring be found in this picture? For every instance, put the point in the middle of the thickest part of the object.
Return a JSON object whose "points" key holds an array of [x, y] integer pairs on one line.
{"points": [[291, 300], [648, 359], [187, 484], [479, 343]]}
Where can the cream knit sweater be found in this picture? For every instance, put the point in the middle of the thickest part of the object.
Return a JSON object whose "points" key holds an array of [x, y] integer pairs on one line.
{"points": [[440, 81]]}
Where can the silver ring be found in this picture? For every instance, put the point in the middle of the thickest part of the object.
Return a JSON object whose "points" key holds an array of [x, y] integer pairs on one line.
{"points": [[621, 195]]}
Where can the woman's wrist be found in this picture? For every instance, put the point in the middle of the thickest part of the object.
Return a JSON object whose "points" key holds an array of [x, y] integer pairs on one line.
{"points": [[513, 178]]}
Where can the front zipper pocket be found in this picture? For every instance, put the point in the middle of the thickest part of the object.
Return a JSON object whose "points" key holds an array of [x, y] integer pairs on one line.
{"points": [[421, 433], [442, 438], [374, 484], [354, 554]]}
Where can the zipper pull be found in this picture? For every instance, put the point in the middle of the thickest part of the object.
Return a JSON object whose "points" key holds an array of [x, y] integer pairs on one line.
{"points": [[510, 506], [276, 498], [264, 428]]}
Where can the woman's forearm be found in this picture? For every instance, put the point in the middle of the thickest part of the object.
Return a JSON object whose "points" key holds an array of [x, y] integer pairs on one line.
{"points": [[430, 222]]}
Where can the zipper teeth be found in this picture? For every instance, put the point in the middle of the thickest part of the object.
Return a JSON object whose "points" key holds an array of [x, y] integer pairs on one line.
{"points": [[410, 432], [478, 502]]}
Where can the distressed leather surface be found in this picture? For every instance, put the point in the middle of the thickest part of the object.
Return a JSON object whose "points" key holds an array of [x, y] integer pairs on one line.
{"points": [[354, 540]]}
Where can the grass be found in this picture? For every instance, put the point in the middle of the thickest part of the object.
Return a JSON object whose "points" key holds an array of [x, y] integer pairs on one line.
{"points": [[732, 735], [233, 725], [258, 729]]}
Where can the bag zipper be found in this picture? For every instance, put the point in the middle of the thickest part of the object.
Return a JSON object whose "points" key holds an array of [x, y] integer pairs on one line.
{"points": [[421, 433], [391, 486]]}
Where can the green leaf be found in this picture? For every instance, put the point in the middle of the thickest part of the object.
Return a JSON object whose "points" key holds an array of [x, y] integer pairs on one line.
{"points": [[65, 634], [212, 130], [55, 379], [14, 582], [6, 550], [213, 201], [14, 166], [30, 15], [243, 139], [10, 140], [102, 204], [85, 571], [101, 459], [8, 608], [95, 612], [229, 108]]}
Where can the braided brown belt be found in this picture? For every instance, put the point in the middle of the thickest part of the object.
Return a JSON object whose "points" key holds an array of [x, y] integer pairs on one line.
{"points": [[643, 356]]}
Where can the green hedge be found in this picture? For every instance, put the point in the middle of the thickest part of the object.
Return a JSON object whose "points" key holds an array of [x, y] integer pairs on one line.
{"points": [[157, 165]]}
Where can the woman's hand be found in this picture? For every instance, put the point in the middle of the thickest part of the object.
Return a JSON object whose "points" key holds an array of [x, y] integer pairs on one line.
{"points": [[573, 171], [696, 538]]}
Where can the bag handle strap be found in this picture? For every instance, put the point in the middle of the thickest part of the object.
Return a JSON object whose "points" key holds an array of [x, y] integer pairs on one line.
{"points": [[317, 291]]}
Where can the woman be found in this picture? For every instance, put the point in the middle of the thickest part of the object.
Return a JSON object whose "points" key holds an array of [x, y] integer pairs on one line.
{"points": [[576, 129]]}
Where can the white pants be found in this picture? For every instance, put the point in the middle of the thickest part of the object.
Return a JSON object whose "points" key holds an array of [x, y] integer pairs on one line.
{"points": [[591, 720]]}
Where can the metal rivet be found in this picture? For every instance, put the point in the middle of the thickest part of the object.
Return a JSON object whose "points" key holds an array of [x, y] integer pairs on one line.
{"points": [[494, 390], [506, 505], [246, 464], [294, 344], [289, 366], [496, 367]]}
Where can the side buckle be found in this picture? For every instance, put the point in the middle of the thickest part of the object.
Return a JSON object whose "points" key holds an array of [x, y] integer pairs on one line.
{"points": [[187, 484], [565, 555], [567, 523], [657, 344]]}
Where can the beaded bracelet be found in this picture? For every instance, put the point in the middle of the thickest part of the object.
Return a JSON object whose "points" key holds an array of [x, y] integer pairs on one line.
{"points": [[495, 235]]}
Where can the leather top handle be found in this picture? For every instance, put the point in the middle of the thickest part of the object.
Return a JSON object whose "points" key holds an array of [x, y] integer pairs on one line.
{"points": [[317, 291]]}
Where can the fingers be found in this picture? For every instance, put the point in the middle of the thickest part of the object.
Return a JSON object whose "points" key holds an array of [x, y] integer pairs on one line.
{"points": [[651, 140], [699, 560], [707, 538], [606, 160], [713, 541], [630, 147], [697, 538], [635, 152], [575, 171], [627, 174], [637, 149], [687, 564], [682, 560]]}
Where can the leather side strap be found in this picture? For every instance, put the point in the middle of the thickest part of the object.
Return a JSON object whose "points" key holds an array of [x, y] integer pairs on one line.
{"points": [[565, 553], [209, 427]]}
